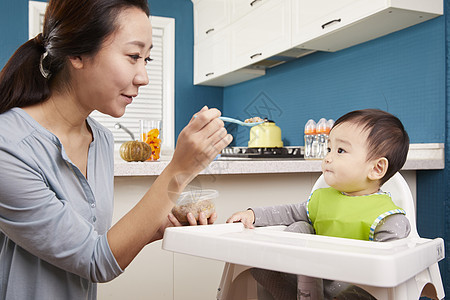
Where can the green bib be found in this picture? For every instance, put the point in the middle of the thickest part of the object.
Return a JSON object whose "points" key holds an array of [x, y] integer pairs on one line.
{"points": [[334, 214]]}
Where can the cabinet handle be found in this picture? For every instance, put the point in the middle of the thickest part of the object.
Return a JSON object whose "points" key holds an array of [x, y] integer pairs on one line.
{"points": [[331, 22], [254, 2], [255, 55], [209, 74], [209, 30]]}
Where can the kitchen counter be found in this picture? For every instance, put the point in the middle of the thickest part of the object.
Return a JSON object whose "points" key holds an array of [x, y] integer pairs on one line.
{"points": [[420, 157]]}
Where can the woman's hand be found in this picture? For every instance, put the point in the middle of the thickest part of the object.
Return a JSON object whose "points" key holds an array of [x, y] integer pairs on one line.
{"points": [[199, 143], [202, 220], [172, 221], [246, 217]]}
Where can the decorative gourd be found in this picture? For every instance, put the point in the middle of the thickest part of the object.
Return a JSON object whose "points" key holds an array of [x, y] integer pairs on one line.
{"points": [[135, 151]]}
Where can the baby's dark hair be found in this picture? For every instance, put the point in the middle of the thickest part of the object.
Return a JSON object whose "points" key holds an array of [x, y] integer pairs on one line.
{"points": [[386, 137]]}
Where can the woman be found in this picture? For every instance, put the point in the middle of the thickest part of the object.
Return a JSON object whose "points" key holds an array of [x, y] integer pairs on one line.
{"points": [[56, 184]]}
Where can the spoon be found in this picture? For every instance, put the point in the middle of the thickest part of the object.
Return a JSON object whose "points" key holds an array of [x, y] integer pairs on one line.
{"points": [[239, 122]]}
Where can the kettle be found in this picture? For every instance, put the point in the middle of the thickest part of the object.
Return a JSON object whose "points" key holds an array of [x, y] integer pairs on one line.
{"points": [[265, 135]]}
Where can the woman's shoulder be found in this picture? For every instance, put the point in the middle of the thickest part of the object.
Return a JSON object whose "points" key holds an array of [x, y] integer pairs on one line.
{"points": [[15, 127]]}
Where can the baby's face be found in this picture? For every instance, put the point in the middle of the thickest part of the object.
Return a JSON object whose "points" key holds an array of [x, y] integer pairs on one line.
{"points": [[345, 167]]}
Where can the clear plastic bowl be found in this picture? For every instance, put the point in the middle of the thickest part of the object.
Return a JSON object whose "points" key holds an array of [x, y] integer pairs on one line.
{"points": [[195, 201]]}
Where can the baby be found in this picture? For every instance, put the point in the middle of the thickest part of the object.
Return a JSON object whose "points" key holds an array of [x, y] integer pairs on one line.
{"points": [[365, 149]]}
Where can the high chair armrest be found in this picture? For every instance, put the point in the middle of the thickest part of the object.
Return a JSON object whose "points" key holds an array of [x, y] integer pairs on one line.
{"points": [[362, 262]]}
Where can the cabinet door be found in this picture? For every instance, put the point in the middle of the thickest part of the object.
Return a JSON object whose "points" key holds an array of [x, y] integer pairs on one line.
{"points": [[240, 8], [212, 57], [319, 18], [209, 17], [261, 34]]}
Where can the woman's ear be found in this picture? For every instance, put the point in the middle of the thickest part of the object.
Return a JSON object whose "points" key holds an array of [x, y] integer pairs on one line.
{"points": [[76, 62], [379, 168]]}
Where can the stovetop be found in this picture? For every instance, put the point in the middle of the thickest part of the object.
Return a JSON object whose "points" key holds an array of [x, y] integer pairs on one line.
{"points": [[294, 152]]}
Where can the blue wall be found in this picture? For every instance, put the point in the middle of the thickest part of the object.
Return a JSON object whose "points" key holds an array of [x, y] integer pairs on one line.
{"points": [[405, 73], [13, 27], [402, 73], [433, 187]]}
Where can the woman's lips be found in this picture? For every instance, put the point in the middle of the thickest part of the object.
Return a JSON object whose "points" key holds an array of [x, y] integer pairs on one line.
{"points": [[128, 99]]}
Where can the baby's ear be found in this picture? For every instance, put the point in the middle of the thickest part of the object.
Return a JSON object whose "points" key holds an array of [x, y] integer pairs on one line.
{"points": [[379, 168]]}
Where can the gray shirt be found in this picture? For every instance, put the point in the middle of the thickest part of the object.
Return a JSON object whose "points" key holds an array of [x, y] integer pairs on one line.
{"points": [[53, 221]]}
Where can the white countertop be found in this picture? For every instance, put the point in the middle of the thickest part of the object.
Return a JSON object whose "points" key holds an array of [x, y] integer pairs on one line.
{"points": [[420, 157]]}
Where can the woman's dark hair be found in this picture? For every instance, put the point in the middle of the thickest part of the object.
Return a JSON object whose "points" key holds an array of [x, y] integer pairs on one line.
{"points": [[386, 137], [71, 28]]}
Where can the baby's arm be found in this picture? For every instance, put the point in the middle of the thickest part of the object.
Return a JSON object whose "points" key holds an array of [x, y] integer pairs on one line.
{"points": [[280, 214], [271, 215], [393, 227]]}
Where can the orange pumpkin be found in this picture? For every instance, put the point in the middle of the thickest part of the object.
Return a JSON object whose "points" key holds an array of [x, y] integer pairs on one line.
{"points": [[135, 151]]}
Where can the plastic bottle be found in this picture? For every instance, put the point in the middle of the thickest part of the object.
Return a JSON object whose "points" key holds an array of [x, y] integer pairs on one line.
{"points": [[330, 124], [322, 138], [310, 137]]}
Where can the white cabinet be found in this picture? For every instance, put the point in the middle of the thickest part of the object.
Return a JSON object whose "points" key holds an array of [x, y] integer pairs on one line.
{"points": [[263, 33], [310, 16], [212, 57], [352, 22], [209, 17], [240, 8], [237, 40]]}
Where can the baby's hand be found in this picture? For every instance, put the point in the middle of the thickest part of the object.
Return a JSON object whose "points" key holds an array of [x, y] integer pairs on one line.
{"points": [[246, 217]]}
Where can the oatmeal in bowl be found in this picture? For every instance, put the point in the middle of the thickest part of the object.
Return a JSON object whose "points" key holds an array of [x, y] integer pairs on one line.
{"points": [[195, 201]]}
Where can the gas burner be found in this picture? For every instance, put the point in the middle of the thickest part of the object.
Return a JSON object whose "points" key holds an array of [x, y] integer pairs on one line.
{"points": [[274, 153], [266, 151]]}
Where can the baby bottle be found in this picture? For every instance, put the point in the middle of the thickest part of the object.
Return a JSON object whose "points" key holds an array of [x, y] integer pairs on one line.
{"points": [[330, 124], [310, 136], [322, 138]]}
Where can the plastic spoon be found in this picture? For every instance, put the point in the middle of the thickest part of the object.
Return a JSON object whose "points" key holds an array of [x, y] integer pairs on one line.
{"points": [[239, 122]]}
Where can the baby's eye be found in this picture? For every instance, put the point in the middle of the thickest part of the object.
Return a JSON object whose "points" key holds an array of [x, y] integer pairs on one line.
{"points": [[328, 149], [148, 59], [340, 150]]}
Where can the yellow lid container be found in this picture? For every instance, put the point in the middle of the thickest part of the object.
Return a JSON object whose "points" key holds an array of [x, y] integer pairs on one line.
{"points": [[265, 135]]}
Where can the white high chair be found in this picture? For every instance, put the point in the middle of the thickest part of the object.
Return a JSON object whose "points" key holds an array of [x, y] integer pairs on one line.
{"points": [[402, 269]]}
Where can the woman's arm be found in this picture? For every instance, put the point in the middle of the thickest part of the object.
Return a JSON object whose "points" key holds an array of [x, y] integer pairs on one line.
{"points": [[198, 144]]}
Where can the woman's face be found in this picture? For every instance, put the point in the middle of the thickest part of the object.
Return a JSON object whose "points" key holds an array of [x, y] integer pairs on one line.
{"points": [[110, 80]]}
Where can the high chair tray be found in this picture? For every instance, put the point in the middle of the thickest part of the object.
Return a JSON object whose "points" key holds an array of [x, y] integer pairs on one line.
{"points": [[362, 262]]}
